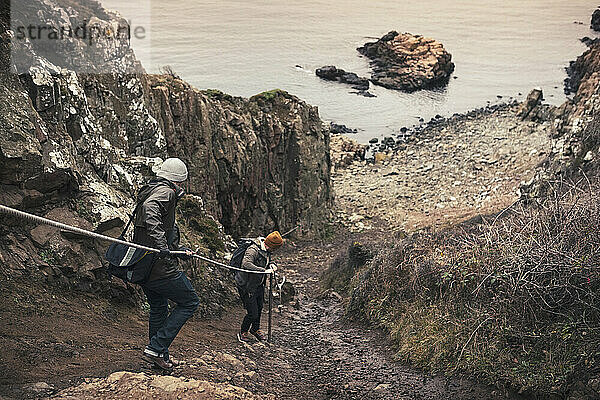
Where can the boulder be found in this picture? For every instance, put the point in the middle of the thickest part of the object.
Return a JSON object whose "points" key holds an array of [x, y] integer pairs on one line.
{"points": [[336, 129], [534, 98], [332, 73], [408, 62], [344, 151], [287, 293], [595, 24]]}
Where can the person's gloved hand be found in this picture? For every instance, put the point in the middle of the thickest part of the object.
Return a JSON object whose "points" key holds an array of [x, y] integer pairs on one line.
{"points": [[188, 254], [164, 253], [273, 267]]}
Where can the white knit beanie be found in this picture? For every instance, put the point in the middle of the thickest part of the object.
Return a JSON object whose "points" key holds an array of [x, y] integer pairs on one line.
{"points": [[172, 169]]}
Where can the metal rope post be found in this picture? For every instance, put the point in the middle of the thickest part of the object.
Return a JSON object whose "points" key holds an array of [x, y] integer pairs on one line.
{"points": [[270, 304]]}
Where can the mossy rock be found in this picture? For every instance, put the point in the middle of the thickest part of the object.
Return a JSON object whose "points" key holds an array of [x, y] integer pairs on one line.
{"points": [[199, 226], [217, 94], [339, 275], [270, 95]]}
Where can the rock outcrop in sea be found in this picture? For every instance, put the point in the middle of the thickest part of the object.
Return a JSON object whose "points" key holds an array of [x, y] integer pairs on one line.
{"points": [[408, 62], [332, 73], [595, 23], [576, 129]]}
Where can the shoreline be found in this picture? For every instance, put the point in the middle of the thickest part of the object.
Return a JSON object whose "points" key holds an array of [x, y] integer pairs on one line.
{"points": [[444, 171]]}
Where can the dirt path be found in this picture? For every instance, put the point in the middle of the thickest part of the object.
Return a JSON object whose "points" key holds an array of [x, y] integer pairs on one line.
{"points": [[315, 354]]}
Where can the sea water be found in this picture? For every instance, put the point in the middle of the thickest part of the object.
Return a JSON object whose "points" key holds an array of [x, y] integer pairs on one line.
{"points": [[244, 47]]}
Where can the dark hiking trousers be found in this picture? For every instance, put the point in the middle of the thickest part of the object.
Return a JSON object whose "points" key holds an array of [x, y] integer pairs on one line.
{"points": [[253, 303], [164, 327]]}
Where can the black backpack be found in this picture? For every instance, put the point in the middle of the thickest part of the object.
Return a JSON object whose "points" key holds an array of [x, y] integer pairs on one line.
{"points": [[128, 263], [238, 254]]}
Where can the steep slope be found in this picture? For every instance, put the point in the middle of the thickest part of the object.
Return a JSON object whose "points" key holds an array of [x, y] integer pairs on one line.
{"points": [[82, 126], [259, 164], [576, 134], [511, 297]]}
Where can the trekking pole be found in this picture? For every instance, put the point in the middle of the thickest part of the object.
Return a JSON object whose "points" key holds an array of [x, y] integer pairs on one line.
{"points": [[270, 305], [290, 231]]}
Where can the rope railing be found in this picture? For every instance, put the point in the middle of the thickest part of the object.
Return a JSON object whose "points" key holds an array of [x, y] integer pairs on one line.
{"points": [[83, 232]]}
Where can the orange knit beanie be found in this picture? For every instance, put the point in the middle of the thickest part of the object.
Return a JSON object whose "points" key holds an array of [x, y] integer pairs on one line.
{"points": [[274, 240]]}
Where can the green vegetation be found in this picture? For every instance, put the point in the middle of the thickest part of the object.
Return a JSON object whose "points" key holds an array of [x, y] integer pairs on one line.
{"points": [[514, 301], [49, 256], [217, 94], [343, 268], [199, 227], [269, 95]]}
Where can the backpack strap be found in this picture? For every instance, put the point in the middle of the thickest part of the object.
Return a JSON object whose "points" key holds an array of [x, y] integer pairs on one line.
{"points": [[132, 217], [128, 223]]}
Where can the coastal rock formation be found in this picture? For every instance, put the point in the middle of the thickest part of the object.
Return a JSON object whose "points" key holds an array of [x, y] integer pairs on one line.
{"points": [[576, 130], [259, 163], [408, 62], [582, 69], [528, 109], [79, 36], [77, 147], [332, 73], [344, 151], [337, 129], [595, 24]]}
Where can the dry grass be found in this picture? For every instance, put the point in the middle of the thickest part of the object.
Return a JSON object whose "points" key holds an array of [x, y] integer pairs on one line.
{"points": [[515, 300]]}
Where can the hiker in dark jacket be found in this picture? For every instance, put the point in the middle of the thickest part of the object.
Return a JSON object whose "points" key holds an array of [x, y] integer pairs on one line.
{"points": [[155, 227], [251, 287]]}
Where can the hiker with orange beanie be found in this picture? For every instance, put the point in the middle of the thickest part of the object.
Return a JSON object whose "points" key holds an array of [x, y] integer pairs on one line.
{"points": [[251, 287]]}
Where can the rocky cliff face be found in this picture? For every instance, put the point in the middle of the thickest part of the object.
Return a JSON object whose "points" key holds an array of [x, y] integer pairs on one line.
{"points": [[76, 146], [259, 164], [576, 128]]}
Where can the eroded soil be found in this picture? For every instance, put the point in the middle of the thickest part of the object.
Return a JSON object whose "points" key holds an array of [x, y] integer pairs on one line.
{"points": [[53, 343]]}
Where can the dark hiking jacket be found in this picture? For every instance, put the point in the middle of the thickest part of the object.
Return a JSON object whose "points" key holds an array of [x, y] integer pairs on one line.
{"points": [[155, 224], [255, 259]]}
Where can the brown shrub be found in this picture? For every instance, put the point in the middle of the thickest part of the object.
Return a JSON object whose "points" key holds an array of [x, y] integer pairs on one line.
{"points": [[514, 300]]}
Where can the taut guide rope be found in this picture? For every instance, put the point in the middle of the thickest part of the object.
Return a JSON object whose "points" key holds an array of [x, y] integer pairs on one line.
{"points": [[83, 232]]}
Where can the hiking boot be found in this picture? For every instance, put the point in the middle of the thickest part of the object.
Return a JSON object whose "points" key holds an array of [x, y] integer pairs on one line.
{"points": [[259, 335], [156, 359], [243, 337]]}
